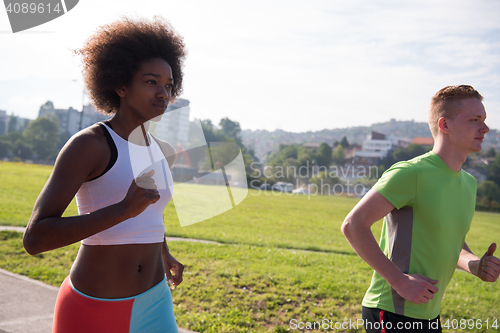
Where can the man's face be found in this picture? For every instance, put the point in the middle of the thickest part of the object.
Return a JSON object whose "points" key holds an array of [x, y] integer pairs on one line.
{"points": [[467, 129]]}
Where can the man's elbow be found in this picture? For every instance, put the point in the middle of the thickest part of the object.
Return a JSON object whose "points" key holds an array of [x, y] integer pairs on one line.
{"points": [[346, 227]]}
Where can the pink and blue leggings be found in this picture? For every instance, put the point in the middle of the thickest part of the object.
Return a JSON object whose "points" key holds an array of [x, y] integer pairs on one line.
{"points": [[151, 311]]}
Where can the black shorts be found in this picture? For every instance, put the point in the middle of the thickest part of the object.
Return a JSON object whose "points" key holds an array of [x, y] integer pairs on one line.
{"points": [[381, 321]]}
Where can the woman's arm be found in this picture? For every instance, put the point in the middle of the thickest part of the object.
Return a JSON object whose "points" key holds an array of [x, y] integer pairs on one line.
{"points": [[171, 266], [81, 159]]}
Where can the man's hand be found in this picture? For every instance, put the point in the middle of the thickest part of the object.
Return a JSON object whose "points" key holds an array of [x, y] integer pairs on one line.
{"points": [[488, 267], [172, 266], [417, 288]]}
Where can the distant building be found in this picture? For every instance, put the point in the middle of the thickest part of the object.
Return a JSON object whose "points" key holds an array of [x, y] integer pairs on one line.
{"points": [[4, 120], [88, 117], [377, 146], [314, 146], [350, 152], [428, 142], [12, 123], [174, 124], [71, 120]]}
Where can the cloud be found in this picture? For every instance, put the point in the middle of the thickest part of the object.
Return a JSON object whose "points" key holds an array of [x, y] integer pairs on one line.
{"points": [[298, 66]]}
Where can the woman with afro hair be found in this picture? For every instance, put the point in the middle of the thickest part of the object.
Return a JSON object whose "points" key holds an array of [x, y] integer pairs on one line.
{"points": [[121, 177]]}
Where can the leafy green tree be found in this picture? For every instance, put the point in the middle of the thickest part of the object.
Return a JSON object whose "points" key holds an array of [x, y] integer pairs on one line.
{"points": [[324, 182], [15, 145], [293, 157], [306, 158], [48, 106], [488, 190], [338, 155], [63, 138], [5, 146], [404, 154], [490, 152], [388, 161], [12, 137], [229, 132], [285, 152], [3, 127], [13, 124], [345, 144], [211, 134], [324, 156], [289, 151], [43, 135], [22, 150], [494, 170], [231, 129]]}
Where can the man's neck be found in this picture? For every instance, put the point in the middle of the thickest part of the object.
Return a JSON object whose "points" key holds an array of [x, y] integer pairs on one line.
{"points": [[451, 157]]}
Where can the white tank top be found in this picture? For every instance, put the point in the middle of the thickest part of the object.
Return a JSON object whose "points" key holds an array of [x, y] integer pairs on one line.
{"points": [[112, 186]]}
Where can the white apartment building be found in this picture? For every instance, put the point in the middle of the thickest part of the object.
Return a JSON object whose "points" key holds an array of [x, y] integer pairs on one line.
{"points": [[71, 120], [173, 127], [377, 146]]}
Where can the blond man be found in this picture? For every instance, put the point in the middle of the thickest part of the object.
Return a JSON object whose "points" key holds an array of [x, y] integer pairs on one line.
{"points": [[427, 204]]}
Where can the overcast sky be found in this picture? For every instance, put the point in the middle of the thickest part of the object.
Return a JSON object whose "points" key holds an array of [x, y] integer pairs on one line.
{"points": [[291, 65]]}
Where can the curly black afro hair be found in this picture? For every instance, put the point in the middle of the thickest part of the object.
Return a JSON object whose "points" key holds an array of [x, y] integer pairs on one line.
{"points": [[115, 52]]}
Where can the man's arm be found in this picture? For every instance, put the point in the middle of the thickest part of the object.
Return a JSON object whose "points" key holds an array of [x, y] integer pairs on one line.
{"points": [[487, 268], [415, 288]]}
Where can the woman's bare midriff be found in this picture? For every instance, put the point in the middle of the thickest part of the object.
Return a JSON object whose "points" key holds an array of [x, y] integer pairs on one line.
{"points": [[117, 271]]}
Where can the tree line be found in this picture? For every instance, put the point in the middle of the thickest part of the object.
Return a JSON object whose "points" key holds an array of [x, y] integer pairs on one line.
{"points": [[298, 157], [228, 131], [39, 140]]}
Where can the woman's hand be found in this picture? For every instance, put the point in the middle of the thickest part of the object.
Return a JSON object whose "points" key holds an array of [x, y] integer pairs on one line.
{"points": [[141, 193], [172, 266]]}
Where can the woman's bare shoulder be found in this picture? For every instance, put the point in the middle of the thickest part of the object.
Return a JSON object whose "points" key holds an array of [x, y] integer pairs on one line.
{"points": [[87, 150]]}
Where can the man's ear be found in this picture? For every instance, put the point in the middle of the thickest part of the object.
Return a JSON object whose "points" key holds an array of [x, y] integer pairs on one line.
{"points": [[443, 125]]}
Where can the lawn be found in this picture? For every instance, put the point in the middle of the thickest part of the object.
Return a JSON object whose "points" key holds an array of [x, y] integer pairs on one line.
{"points": [[279, 259]]}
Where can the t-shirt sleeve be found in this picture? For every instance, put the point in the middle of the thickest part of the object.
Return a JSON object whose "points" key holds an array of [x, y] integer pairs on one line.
{"points": [[398, 184]]}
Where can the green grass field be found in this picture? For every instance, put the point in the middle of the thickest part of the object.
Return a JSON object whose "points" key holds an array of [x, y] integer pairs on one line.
{"points": [[280, 258]]}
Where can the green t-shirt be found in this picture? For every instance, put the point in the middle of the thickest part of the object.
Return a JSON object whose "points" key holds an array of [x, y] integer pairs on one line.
{"points": [[425, 232]]}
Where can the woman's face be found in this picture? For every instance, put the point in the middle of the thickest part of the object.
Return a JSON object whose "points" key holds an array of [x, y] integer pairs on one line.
{"points": [[150, 91]]}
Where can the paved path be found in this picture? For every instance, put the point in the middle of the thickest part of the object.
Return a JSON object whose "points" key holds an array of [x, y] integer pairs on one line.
{"points": [[27, 305]]}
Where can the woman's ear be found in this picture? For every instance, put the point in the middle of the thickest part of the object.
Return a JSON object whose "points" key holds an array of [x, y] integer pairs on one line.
{"points": [[121, 92], [443, 125]]}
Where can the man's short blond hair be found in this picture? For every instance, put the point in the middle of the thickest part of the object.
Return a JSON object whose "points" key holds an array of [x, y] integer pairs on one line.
{"points": [[447, 103]]}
